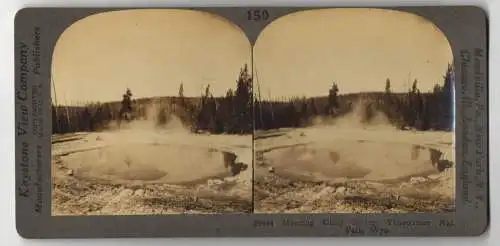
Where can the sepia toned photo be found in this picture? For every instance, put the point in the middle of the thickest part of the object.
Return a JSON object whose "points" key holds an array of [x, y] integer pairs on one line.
{"points": [[353, 114], [151, 114], [330, 111]]}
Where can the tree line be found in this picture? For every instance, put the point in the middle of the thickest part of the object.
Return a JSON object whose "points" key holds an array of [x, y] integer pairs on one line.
{"points": [[232, 113], [414, 109], [239, 112]]}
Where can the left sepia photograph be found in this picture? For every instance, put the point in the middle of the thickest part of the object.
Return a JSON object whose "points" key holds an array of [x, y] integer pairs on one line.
{"points": [[151, 114]]}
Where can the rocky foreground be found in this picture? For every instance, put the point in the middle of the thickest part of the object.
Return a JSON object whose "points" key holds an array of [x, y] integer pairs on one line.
{"points": [[329, 170], [277, 194]]}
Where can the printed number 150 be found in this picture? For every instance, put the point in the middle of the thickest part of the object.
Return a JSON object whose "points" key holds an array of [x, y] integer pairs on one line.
{"points": [[257, 15]]}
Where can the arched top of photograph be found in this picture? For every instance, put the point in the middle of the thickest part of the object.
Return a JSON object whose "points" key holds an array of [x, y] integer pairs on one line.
{"points": [[358, 49], [150, 51]]}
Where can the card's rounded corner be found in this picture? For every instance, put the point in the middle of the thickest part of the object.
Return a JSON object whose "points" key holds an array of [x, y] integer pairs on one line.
{"points": [[482, 10], [482, 230], [22, 232], [20, 13]]}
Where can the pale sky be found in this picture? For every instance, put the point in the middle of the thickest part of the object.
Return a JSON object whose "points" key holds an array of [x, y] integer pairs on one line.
{"points": [[153, 51], [301, 54], [150, 51]]}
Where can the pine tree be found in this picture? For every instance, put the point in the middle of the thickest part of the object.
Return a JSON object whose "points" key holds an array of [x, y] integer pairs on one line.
{"points": [[413, 104], [447, 98], [333, 103], [126, 106], [388, 100], [229, 93], [55, 120], [312, 106], [203, 114], [304, 112], [181, 97], [211, 114], [181, 90], [243, 102]]}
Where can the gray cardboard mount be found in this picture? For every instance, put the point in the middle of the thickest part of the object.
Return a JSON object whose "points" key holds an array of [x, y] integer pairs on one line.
{"points": [[36, 33]]}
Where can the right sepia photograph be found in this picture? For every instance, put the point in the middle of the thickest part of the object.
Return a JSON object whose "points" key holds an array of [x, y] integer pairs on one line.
{"points": [[353, 113]]}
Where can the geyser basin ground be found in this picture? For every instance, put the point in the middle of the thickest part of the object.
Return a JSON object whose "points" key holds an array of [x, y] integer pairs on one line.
{"points": [[357, 160], [362, 155], [150, 172], [171, 164], [345, 170]]}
